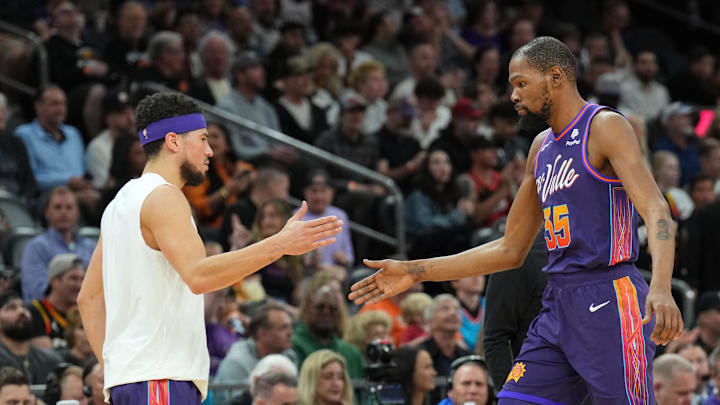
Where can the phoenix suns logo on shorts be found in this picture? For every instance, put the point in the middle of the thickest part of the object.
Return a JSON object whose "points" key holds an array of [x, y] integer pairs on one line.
{"points": [[517, 372]]}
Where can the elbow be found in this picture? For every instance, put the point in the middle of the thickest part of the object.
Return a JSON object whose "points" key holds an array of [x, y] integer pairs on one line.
{"points": [[198, 286]]}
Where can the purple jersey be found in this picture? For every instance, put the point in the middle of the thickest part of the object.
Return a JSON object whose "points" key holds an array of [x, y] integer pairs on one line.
{"points": [[589, 220]]}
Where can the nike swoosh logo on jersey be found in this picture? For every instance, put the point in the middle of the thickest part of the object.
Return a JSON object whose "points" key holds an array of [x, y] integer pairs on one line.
{"points": [[594, 308]]}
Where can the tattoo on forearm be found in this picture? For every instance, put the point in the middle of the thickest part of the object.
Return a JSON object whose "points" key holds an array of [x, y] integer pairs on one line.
{"points": [[663, 230], [416, 270]]}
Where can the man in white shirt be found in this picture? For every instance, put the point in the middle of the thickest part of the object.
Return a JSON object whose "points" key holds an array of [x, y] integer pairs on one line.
{"points": [[148, 329], [640, 93]]}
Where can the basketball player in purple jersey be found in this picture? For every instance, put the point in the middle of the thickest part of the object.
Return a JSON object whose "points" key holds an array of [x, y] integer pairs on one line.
{"points": [[585, 183]]}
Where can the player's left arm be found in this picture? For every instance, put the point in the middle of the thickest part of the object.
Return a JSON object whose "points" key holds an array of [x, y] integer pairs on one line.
{"points": [[91, 303], [613, 140]]}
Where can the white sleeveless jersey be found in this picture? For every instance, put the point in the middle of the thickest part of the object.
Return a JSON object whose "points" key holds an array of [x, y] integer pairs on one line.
{"points": [[155, 325]]}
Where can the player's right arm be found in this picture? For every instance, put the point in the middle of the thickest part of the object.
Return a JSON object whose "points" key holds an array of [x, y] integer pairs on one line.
{"points": [[166, 226], [508, 252], [91, 303]]}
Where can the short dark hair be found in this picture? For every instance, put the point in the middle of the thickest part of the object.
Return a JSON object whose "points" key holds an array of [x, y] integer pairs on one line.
{"points": [[699, 179], [502, 110], [267, 382], [543, 53], [429, 87], [157, 107], [12, 376], [261, 318], [40, 92]]}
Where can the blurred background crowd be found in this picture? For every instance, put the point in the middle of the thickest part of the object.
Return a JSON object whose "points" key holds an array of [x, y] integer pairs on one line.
{"points": [[412, 90]]}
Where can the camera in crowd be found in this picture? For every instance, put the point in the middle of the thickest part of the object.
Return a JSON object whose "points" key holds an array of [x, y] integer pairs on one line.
{"points": [[382, 386]]}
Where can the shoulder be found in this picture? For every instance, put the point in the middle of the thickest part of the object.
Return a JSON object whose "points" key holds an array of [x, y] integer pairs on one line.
{"points": [[25, 130], [165, 200], [45, 355], [610, 126], [71, 132]]}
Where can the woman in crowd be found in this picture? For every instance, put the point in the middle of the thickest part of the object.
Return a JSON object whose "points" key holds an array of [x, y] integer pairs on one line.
{"points": [[128, 162], [436, 213], [366, 327], [415, 372], [324, 380], [225, 179]]}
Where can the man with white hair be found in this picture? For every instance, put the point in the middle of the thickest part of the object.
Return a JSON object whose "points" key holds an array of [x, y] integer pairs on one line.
{"points": [[272, 363], [443, 318], [216, 50], [166, 56], [674, 380], [275, 389]]}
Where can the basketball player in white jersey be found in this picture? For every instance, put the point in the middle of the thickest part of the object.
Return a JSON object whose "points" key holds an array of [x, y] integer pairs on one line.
{"points": [[141, 302]]}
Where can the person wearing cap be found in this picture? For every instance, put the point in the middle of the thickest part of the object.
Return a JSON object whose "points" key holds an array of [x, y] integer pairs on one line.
{"points": [[400, 153], [49, 314], [245, 101], [120, 121], [680, 139], [319, 194], [455, 139], [16, 349], [298, 116], [147, 327]]}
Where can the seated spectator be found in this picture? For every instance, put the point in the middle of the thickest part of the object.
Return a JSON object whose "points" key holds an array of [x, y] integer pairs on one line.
{"points": [[225, 180], [56, 150], [187, 23], [483, 26], [275, 388], [384, 46], [269, 332], [319, 328], [65, 384], [223, 329], [486, 67], [127, 163], [713, 397], [469, 291], [694, 84], [492, 190], [319, 195], [413, 313], [119, 117], [324, 380], [436, 213], [78, 351], [673, 379], [701, 191], [680, 139], [348, 36], [124, 48], [432, 117], [666, 170], [698, 358], [298, 116], [280, 279], [240, 26], [641, 94], [15, 347], [423, 63], [94, 380], [291, 43], [709, 155], [443, 318], [166, 62], [414, 370], [324, 60], [391, 306], [61, 214], [245, 101], [505, 133], [469, 383], [369, 84], [272, 363], [49, 314], [216, 50], [455, 139], [269, 182], [16, 174], [367, 327], [400, 153], [14, 387]]}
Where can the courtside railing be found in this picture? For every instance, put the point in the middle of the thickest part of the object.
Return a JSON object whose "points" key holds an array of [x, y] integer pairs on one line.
{"points": [[683, 290], [398, 241], [39, 50]]}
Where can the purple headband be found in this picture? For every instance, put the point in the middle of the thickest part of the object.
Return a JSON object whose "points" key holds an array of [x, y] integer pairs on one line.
{"points": [[179, 125]]}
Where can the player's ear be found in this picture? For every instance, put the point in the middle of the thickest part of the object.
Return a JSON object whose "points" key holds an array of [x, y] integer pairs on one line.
{"points": [[172, 141], [556, 75]]}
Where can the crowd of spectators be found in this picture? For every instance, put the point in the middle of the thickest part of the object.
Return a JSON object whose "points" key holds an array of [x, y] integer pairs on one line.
{"points": [[414, 90]]}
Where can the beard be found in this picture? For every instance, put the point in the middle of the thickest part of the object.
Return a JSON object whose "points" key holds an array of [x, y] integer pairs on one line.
{"points": [[19, 331], [191, 176], [533, 123]]}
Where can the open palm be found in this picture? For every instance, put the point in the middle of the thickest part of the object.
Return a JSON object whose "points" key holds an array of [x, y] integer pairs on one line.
{"points": [[392, 278]]}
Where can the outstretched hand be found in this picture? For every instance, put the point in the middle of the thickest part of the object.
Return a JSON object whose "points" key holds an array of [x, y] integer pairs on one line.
{"points": [[299, 237], [392, 278], [669, 323]]}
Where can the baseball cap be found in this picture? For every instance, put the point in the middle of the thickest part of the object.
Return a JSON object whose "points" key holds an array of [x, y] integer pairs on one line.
{"points": [[296, 65], [676, 108], [707, 300], [63, 262], [464, 108], [115, 100], [246, 60]]}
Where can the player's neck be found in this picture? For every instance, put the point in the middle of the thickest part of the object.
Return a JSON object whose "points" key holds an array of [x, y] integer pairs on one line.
{"points": [[565, 109], [165, 169]]}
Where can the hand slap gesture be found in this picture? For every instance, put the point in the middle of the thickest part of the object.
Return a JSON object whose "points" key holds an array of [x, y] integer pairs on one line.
{"points": [[299, 237]]}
